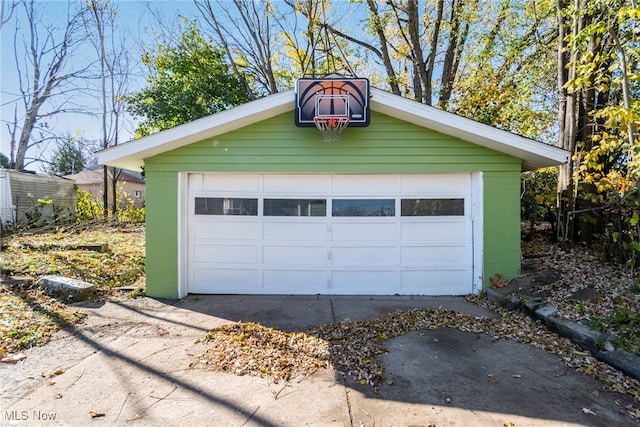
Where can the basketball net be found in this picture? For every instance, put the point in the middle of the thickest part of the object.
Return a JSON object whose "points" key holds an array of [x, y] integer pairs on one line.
{"points": [[331, 126]]}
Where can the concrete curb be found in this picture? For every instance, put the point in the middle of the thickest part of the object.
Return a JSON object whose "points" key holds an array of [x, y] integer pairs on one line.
{"points": [[598, 343], [67, 288]]}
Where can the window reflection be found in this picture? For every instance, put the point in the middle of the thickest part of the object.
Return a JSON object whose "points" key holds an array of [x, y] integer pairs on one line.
{"points": [[295, 207], [432, 207], [364, 207], [226, 206]]}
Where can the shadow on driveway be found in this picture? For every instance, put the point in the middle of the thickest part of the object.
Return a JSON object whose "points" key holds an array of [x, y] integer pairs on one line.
{"points": [[129, 363]]}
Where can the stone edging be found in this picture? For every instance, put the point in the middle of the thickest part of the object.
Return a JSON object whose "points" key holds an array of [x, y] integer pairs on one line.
{"points": [[598, 343]]}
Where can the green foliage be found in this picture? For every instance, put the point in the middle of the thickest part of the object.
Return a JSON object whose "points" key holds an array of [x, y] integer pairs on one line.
{"points": [[625, 323], [68, 159], [607, 47], [538, 196], [187, 81], [4, 161], [127, 212], [607, 156], [508, 68], [87, 206], [621, 239]]}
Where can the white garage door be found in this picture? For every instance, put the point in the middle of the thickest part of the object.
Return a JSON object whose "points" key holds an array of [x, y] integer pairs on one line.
{"points": [[329, 234]]}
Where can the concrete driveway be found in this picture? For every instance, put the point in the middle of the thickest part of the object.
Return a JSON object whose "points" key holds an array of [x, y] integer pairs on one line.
{"points": [[128, 363]]}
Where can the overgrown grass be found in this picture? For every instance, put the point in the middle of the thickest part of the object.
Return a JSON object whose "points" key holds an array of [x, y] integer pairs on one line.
{"points": [[28, 316], [64, 252]]}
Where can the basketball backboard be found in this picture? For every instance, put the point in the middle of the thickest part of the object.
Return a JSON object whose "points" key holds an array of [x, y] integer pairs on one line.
{"points": [[332, 97]]}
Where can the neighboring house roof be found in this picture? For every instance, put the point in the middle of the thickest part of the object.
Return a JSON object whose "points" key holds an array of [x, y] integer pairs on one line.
{"points": [[96, 176], [534, 154]]}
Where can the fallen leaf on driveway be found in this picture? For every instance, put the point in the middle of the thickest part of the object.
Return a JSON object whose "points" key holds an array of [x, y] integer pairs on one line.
{"points": [[13, 358]]}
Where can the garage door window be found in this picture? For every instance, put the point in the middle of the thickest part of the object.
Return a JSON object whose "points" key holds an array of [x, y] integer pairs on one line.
{"points": [[295, 207], [432, 207], [226, 206], [364, 207]]}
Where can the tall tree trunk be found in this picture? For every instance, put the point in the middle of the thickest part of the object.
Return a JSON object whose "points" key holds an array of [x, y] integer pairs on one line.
{"points": [[457, 38], [566, 123], [46, 78], [384, 48], [433, 49], [419, 68]]}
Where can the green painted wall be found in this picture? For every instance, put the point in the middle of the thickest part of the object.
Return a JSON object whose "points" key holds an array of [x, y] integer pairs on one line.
{"points": [[388, 145], [161, 206]]}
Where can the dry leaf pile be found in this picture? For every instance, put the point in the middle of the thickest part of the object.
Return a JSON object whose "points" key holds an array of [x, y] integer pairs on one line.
{"points": [[352, 348], [252, 349]]}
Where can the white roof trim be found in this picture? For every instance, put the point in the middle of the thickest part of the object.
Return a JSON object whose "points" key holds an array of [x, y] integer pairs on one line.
{"points": [[131, 155], [534, 154]]}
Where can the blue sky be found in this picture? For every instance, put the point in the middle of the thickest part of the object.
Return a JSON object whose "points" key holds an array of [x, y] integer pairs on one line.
{"points": [[135, 23]]}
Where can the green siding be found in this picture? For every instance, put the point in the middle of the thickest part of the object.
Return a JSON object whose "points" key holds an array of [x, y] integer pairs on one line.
{"points": [[388, 145], [161, 205], [501, 224]]}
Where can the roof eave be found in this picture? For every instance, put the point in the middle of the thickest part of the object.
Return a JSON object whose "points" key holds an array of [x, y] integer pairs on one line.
{"points": [[534, 154], [131, 155]]}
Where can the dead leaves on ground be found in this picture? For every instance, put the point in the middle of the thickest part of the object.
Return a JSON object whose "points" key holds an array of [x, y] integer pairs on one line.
{"points": [[28, 318], [61, 252], [353, 348], [252, 349]]}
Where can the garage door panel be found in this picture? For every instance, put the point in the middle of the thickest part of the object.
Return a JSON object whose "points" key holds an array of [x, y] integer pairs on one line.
{"points": [[224, 280], [435, 282], [435, 184], [226, 230], [431, 232], [295, 255], [281, 250], [351, 184], [225, 253], [231, 183], [287, 281], [296, 184], [367, 281], [374, 231], [296, 231], [433, 256], [373, 256]]}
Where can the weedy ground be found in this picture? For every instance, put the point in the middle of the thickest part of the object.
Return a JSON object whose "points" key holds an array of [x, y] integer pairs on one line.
{"points": [[602, 295], [28, 315]]}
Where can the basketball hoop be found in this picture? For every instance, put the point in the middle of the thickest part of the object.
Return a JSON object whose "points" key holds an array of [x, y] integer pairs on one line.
{"points": [[331, 126]]}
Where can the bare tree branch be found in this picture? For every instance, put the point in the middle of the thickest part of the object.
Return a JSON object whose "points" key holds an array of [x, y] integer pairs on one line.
{"points": [[46, 62]]}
